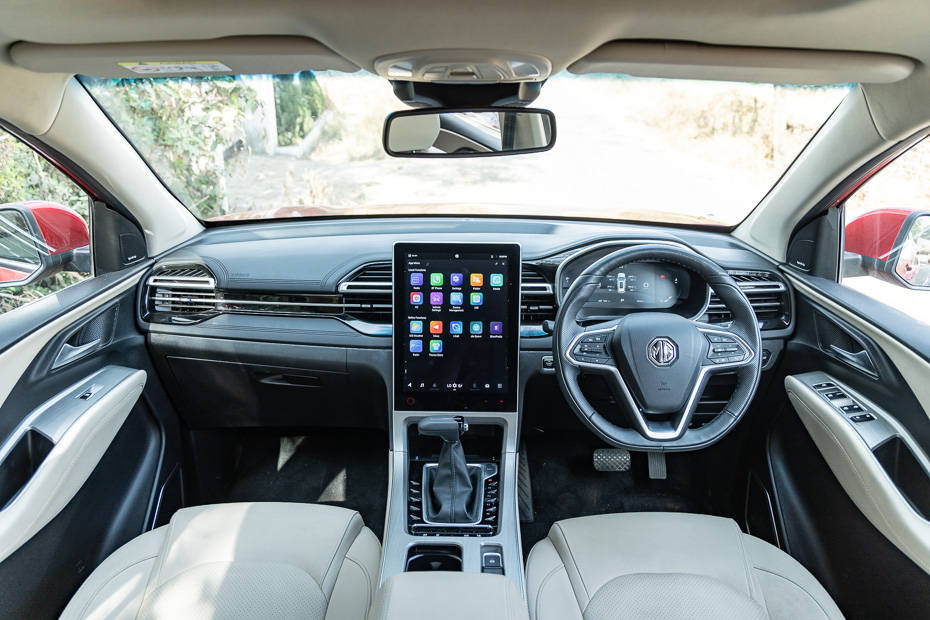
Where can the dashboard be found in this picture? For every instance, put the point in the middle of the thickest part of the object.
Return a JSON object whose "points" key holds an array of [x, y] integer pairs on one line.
{"points": [[311, 319]]}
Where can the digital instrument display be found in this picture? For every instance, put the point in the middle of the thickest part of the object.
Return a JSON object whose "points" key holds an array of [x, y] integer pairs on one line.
{"points": [[456, 326], [641, 286]]}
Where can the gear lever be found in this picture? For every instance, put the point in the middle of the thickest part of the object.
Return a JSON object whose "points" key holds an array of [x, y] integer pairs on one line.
{"points": [[451, 487]]}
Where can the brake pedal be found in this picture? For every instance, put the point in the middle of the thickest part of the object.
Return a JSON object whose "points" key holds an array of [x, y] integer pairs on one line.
{"points": [[612, 459]]}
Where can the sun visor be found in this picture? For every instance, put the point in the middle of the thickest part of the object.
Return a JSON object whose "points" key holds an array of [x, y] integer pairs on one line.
{"points": [[225, 56], [743, 64]]}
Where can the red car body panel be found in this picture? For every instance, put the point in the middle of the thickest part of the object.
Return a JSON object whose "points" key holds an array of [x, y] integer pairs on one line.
{"points": [[873, 234], [11, 275], [62, 229]]}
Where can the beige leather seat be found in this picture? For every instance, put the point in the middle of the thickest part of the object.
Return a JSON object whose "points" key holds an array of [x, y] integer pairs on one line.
{"points": [[249, 560], [665, 565]]}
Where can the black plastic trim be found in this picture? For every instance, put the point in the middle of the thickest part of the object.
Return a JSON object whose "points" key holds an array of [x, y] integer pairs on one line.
{"points": [[893, 322]]}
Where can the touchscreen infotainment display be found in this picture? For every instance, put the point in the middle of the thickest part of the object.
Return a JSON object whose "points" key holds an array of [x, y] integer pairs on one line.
{"points": [[456, 326]]}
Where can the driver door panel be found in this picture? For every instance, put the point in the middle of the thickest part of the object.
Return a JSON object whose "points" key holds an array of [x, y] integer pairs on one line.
{"points": [[848, 497]]}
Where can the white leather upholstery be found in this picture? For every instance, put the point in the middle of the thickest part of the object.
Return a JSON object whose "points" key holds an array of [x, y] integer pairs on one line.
{"points": [[247, 560], [449, 596], [666, 565]]}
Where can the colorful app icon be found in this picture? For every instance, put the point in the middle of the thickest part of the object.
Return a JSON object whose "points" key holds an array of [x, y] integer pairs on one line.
{"points": [[497, 279], [497, 327], [435, 279], [435, 327], [416, 327], [456, 279], [455, 327], [477, 279], [435, 346], [477, 299], [435, 298], [456, 299], [416, 298], [416, 279], [416, 346], [475, 327]]}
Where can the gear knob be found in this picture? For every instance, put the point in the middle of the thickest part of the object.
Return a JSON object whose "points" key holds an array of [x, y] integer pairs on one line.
{"points": [[449, 428]]}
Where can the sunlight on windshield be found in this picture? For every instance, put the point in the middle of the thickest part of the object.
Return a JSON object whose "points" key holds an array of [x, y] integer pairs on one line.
{"points": [[635, 149]]}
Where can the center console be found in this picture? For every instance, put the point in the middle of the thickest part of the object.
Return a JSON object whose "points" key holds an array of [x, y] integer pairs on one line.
{"points": [[452, 504]]}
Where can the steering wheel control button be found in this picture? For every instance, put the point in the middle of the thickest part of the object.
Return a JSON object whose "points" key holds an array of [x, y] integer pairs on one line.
{"points": [[592, 349]]}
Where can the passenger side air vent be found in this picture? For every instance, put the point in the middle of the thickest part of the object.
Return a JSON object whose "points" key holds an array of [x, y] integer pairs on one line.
{"points": [[768, 295], [186, 293], [537, 297], [367, 293]]}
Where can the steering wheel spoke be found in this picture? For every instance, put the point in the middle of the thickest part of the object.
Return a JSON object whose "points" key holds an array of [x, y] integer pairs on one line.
{"points": [[726, 349]]}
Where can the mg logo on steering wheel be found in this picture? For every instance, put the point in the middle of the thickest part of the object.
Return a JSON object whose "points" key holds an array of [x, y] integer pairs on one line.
{"points": [[663, 351]]}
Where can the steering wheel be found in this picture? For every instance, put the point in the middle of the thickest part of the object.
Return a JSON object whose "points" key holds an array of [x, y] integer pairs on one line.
{"points": [[657, 364]]}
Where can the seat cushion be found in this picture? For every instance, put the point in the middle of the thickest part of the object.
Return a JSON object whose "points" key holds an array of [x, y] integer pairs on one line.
{"points": [[666, 565], [246, 560]]}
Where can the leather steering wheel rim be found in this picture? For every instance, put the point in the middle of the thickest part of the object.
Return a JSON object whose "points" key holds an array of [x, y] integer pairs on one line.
{"points": [[743, 332]]}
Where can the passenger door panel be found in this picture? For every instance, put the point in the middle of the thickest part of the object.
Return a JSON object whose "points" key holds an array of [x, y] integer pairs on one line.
{"points": [[90, 440]]}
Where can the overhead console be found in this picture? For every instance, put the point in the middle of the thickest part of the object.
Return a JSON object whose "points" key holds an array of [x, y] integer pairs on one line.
{"points": [[456, 326]]}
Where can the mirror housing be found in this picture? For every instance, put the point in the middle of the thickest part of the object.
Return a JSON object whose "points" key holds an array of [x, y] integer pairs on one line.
{"points": [[39, 239], [892, 245], [468, 132]]}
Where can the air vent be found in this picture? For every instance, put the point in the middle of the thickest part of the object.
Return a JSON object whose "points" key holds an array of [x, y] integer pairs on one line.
{"points": [[537, 298], [187, 292], [767, 294], [367, 295], [373, 278]]}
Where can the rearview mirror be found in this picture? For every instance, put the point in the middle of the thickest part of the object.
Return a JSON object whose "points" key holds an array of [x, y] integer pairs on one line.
{"points": [[473, 132], [38, 239]]}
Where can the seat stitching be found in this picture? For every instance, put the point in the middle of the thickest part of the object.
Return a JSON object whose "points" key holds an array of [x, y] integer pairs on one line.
{"points": [[747, 565], [332, 560], [169, 536], [367, 581], [568, 547], [542, 586], [799, 586], [112, 577]]}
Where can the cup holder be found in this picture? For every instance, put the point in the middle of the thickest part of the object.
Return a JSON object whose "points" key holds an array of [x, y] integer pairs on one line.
{"points": [[434, 558]]}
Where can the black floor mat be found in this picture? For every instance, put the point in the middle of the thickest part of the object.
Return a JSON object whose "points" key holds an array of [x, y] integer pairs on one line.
{"points": [[565, 484], [335, 467]]}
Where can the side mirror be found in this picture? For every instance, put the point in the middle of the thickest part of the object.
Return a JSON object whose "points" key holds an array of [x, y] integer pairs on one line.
{"points": [[39, 239], [912, 257], [472, 132]]}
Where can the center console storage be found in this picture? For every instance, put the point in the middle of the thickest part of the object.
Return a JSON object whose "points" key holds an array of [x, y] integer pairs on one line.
{"points": [[427, 557]]}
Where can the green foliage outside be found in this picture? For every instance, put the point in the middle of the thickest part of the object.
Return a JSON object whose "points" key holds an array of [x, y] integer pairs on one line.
{"points": [[298, 102], [183, 126], [24, 176]]}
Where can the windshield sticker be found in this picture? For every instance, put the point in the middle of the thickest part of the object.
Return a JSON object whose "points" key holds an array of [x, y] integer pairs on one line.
{"points": [[149, 67]]}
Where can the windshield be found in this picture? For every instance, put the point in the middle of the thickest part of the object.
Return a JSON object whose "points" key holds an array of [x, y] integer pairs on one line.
{"points": [[304, 145]]}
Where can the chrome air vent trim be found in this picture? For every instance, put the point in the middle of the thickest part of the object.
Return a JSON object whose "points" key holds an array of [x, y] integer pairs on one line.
{"points": [[767, 294]]}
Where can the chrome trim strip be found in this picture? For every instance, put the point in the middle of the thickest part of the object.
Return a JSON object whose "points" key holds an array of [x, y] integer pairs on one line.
{"points": [[488, 470]]}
